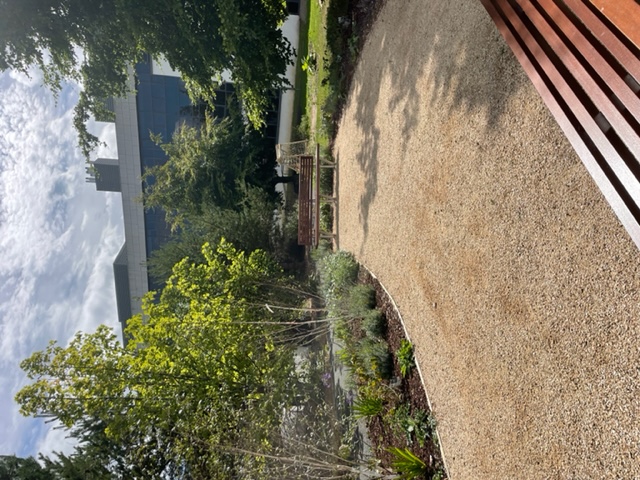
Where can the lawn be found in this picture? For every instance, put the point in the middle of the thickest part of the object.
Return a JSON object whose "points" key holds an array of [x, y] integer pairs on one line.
{"points": [[319, 87]]}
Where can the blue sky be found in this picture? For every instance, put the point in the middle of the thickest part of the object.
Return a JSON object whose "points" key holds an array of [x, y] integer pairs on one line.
{"points": [[58, 240]]}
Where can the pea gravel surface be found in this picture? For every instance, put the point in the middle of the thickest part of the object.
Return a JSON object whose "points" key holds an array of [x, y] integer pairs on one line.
{"points": [[517, 283]]}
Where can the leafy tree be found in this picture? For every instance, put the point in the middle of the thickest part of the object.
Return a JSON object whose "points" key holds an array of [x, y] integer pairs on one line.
{"points": [[17, 468], [200, 38], [202, 369], [98, 456], [250, 228], [218, 181], [210, 165], [78, 466], [213, 165]]}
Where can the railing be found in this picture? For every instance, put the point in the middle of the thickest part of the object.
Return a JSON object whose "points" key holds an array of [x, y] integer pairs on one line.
{"points": [[583, 57]]}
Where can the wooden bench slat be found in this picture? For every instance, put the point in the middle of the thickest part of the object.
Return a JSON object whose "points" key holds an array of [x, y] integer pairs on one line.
{"points": [[316, 223], [624, 14], [608, 39], [602, 67], [538, 47], [578, 71], [305, 201], [586, 120]]}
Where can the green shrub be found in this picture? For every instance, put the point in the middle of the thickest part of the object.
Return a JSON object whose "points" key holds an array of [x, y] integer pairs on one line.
{"points": [[323, 249], [406, 360], [289, 224], [326, 181], [374, 324], [375, 357], [303, 130], [367, 407], [341, 328], [338, 272], [364, 296], [407, 464], [326, 217], [358, 301], [419, 427], [352, 43], [249, 227]]}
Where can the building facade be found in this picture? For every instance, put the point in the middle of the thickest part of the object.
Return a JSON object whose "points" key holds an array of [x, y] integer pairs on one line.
{"points": [[157, 104]]}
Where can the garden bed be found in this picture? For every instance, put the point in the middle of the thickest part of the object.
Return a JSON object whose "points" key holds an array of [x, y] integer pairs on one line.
{"points": [[374, 369], [382, 433], [346, 49]]}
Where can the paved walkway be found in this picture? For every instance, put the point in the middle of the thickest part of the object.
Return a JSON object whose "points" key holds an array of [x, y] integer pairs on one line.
{"points": [[517, 283]]}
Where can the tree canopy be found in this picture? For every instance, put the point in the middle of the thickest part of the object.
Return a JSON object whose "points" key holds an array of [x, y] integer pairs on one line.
{"points": [[203, 370], [17, 468], [96, 43], [212, 165], [248, 228]]}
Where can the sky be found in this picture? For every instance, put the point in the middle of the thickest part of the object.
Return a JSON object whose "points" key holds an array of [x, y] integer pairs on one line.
{"points": [[58, 240]]}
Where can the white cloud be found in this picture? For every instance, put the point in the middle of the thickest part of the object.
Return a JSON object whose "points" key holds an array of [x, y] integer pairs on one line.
{"points": [[58, 240], [54, 440]]}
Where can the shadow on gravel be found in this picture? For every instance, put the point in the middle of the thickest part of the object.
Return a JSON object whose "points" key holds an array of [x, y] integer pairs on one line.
{"points": [[459, 50]]}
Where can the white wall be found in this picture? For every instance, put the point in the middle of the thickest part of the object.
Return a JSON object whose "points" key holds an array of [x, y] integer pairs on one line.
{"points": [[291, 31], [131, 188], [160, 66]]}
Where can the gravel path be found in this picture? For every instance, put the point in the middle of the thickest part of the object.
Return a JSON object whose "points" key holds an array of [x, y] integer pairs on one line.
{"points": [[516, 281]]}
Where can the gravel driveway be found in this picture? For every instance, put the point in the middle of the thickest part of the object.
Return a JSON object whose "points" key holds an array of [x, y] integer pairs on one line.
{"points": [[518, 285]]}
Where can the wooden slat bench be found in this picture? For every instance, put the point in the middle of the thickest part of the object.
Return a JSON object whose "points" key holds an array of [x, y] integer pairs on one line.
{"points": [[306, 211], [586, 66]]}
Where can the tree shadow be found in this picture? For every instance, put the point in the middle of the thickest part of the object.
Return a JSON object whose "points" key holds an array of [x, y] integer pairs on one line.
{"points": [[453, 46]]}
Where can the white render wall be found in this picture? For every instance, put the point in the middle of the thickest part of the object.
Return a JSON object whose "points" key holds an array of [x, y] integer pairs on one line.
{"points": [[291, 31], [131, 187], [160, 66]]}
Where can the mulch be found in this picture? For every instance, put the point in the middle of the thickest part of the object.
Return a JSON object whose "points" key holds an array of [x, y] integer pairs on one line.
{"points": [[411, 390]]}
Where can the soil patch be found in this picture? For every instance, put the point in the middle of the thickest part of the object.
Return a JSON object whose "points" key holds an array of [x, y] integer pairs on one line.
{"points": [[382, 431]]}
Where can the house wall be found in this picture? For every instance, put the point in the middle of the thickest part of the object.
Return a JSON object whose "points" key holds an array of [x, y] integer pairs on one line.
{"points": [[131, 187]]}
